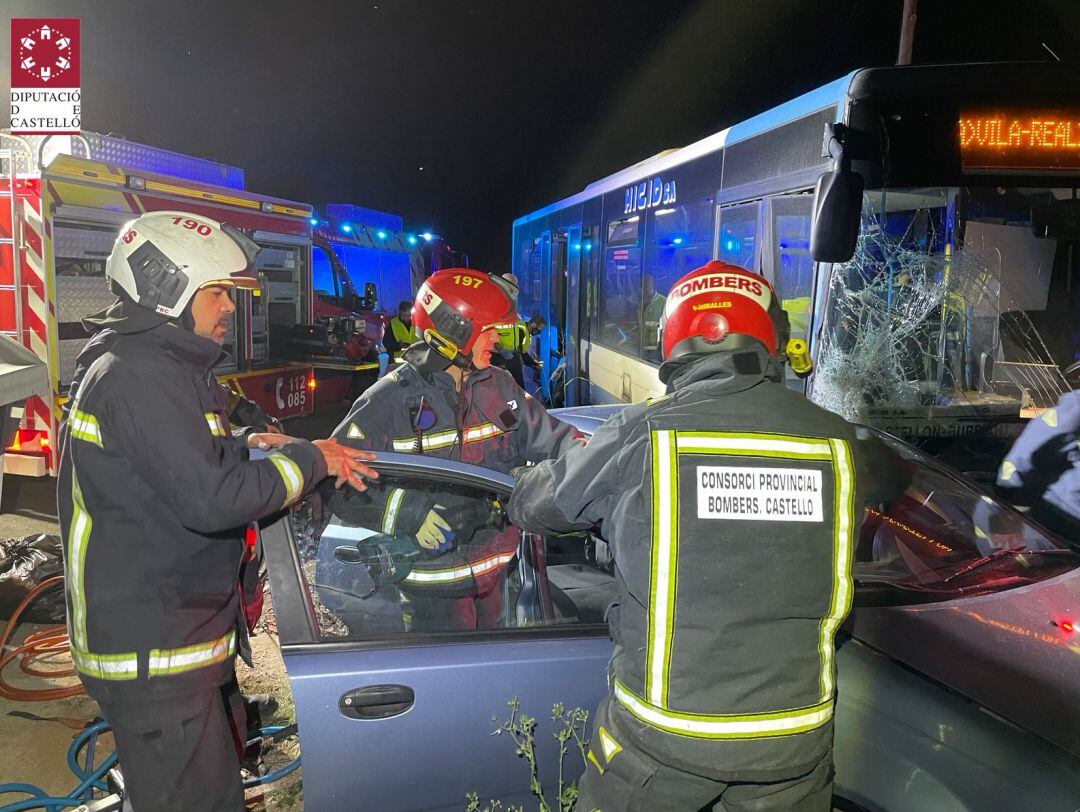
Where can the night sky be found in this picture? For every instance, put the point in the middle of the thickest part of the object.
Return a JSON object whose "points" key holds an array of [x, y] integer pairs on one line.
{"points": [[461, 115]]}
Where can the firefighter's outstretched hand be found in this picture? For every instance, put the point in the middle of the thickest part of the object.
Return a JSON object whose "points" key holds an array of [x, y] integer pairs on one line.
{"points": [[346, 464], [434, 532], [264, 441]]}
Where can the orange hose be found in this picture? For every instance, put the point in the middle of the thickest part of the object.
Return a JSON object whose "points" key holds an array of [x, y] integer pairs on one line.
{"points": [[40, 643]]}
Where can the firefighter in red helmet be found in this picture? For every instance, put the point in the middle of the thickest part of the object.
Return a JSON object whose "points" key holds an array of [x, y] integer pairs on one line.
{"points": [[730, 506], [441, 556]]}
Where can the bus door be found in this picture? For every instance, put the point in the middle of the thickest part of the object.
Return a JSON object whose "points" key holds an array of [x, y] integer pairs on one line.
{"points": [[787, 265], [571, 312], [583, 301], [551, 340]]}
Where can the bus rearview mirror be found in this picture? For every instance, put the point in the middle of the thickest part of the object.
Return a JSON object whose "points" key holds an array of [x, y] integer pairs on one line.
{"points": [[834, 227], [1056, 220]]}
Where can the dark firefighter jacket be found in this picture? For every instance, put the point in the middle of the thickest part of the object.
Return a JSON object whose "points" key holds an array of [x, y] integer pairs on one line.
{"points": [[416, 410], [1044, 463], [153, 496], [731, 507]]}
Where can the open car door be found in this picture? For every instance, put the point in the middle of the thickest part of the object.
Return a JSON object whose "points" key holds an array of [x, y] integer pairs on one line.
{"points": [[399, 685]]}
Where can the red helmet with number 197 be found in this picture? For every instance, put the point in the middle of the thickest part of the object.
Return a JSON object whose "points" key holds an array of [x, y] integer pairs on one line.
{"points": [[720, 307], [454, 306]]}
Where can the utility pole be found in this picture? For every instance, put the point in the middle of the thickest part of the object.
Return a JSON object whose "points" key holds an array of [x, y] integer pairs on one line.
{"points": [[907, 32]]}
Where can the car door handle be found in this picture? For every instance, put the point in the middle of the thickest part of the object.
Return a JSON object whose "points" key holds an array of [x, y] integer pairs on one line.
{"points": [[376, 701]]}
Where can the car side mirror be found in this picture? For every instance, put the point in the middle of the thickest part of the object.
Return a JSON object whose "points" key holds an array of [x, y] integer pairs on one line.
{"points": [[371, 296], [834, 226], [1057, 220]]}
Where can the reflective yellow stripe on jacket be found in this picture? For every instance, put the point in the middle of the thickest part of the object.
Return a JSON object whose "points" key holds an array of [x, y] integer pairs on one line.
{"points": [[442, 439], [290, 474], [749, 726], [390, 512], [102, 666], [188, 658], [84, 426], [217, 427], [654, 708], [462, 573]]}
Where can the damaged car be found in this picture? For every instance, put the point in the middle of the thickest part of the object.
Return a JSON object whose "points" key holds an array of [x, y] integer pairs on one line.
{"points": [[957, 668]]}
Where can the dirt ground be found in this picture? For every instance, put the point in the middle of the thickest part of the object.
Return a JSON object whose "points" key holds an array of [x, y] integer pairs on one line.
{"points": [[35, 736]]}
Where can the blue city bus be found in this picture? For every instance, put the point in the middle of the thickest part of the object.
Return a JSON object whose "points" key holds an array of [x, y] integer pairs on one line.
{"points": [[956, 315]]}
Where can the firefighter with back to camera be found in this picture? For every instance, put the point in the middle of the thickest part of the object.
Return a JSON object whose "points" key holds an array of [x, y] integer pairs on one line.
{"points": [[154, 493], [731, 506]]}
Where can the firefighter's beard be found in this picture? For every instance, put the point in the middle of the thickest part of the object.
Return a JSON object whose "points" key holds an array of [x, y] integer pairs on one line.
{"points": [[220, 330], [217, 331]]}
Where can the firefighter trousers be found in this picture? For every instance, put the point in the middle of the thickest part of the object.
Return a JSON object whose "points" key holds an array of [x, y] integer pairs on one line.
{"points": [[180, 754], [622, 778]]}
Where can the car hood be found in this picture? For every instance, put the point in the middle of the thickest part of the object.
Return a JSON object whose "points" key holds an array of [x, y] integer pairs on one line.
{"points": [[1012, 652]]}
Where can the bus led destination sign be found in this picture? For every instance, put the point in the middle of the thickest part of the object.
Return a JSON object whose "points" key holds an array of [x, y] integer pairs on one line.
{"points": [[1020, 140]]}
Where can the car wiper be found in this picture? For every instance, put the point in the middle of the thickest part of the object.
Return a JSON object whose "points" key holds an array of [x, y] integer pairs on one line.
{"points": [[994, 556]]}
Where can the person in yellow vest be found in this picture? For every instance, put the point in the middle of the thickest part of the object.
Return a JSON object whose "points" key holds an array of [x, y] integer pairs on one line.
{"points": [[511, 349], [401, 334]]}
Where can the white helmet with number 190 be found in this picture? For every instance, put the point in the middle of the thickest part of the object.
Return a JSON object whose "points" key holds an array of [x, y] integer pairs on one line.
{"points": [[162, 258]]}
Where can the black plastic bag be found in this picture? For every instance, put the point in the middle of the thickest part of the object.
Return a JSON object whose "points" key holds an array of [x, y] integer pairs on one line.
{"points": [[24, 563]]}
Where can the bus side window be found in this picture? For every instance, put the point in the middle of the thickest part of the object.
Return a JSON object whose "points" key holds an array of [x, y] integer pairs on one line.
{"points": [[530, 278], [620, 286], [738, 241], [679, 239], [788, 264]]}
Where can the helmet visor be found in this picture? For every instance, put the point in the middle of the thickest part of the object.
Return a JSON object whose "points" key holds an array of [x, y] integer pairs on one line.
{"points": [[245, 280]]}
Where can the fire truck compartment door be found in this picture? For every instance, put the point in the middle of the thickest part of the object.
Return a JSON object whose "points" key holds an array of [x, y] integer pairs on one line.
{"points": [[66, 214]]}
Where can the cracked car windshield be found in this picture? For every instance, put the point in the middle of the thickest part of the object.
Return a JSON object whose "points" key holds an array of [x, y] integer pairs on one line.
{"points": [[950, 307], [942, 539]]}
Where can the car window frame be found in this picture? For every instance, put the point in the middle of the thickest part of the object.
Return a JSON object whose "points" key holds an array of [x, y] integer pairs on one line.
{"points": [[298, 630]]}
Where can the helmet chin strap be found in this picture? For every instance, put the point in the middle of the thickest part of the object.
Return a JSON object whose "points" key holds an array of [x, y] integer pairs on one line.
{"points": [[187, 318]]}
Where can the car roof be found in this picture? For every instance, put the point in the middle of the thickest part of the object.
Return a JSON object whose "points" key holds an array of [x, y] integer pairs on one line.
{"points": [[587, 419]]}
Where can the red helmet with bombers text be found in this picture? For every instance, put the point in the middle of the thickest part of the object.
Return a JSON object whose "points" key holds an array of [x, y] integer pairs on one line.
{"points": [[455, 305], [721, 307]]}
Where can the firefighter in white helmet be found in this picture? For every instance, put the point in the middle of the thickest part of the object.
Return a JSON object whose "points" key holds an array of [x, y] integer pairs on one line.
{"points": [[153, 494]]}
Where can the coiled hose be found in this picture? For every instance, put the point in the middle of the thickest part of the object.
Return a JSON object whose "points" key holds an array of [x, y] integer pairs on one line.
{"points": [[54, 640], [92, 778], [41, 643]]}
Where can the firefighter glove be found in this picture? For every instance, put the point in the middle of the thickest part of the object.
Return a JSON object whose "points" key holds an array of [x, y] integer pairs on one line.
{"points": [[434, 533]]}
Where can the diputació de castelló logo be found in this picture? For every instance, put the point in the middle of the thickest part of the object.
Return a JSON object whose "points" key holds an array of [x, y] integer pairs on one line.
{"points": [[46, 92]]}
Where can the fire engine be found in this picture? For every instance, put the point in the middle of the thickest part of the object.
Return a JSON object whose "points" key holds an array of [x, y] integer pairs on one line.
{"points": [[63, 200], [363, 265]]}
